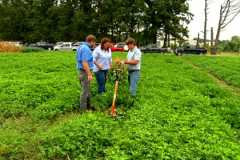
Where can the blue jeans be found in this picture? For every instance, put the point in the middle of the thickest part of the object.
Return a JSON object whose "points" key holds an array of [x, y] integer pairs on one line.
{"points": [[101, 77], [133, 77]]}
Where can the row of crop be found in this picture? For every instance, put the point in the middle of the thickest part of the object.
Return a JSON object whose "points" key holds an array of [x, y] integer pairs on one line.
{"points": [[179, 107], [225, 68], [32, 83], [39, 86], [182, 114], [43, 86]]}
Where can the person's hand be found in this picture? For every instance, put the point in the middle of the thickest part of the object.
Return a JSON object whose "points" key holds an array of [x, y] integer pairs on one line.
{"points": [[100, 66], [90, 77], [124, 62]]}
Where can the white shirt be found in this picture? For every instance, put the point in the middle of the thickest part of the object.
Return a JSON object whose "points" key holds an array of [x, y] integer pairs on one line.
{"points": [[134, 54], [102, 57]]}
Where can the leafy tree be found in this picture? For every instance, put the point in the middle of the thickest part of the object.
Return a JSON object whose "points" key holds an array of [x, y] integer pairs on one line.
{"points": [[230, 46], [72, 20]]}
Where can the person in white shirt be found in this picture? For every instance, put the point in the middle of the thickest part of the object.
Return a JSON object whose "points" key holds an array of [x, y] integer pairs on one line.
{"points": [[102, 57], [134, 65]]}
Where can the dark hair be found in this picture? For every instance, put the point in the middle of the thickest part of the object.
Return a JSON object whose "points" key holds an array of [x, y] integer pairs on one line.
{"points": [[103, 41], [91, 38], [130, 41]]}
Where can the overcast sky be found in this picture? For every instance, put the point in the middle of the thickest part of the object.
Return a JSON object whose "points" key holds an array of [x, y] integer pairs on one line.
{"points": [[197, 8]]}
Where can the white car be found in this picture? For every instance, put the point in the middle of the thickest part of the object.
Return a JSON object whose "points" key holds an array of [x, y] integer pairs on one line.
{"points": [[76, 45], [65, 46]]}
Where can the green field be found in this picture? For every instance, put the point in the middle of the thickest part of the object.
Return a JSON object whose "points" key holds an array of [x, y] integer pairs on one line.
{"points": [[225, 68], [181, 113]]}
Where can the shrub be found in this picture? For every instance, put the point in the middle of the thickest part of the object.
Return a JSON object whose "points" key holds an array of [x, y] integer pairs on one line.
{"points": [[9, 47], [32, 49]]}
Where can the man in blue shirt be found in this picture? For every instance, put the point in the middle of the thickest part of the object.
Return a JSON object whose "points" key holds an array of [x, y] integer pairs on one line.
{"points": [[85, 65]]}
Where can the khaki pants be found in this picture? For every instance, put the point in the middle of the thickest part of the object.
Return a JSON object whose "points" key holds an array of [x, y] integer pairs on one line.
{"points": [[85, 92]]}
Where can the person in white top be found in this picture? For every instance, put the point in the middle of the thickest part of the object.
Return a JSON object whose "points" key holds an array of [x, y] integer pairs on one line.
{"points": [[134, 65], [102, 57]]}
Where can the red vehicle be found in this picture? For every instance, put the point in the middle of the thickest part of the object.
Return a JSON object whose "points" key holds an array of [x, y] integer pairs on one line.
{"points": [[119, 47], [115, 49]]}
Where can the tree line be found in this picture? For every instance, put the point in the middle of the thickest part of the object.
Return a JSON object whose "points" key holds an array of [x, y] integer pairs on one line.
{"points": [[72, 20], [232, 45]]}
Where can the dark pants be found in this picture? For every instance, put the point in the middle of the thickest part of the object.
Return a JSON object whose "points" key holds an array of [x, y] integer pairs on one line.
{"points": [[101, 77], [85, 92]]}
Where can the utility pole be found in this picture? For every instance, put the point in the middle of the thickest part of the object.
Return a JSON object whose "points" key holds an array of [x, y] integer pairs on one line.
{"points": [[205, 23], [212, 41], [198, 39]]}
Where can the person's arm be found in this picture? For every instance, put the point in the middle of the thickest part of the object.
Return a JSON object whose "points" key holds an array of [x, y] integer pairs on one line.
{"points": [[136, 59], [131, 62], [95, 56], [100, 66], [110, 65], [110, 60], [87, 70], [85, 64]]}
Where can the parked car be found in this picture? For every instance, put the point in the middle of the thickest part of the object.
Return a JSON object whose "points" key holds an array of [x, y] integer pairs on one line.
{"points": [[33, 46], [115, 49], [76, 45], [120, 47], [188, 50], [153, 48], [44, 45], [59, 43], [65, 46]]}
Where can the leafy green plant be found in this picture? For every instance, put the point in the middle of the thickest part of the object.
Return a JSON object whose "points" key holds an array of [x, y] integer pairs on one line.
{"points": [[32, 49], [180, 112], [224, 68]]}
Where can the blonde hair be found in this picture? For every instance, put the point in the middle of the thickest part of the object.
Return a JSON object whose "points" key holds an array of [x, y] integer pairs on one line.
{"points": [[91, 38], [130, 41]]}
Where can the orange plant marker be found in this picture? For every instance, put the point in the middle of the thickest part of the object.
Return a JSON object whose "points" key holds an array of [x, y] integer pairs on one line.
{"points": [[114, 110]]}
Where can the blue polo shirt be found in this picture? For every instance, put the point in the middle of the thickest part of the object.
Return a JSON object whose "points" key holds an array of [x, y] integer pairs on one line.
{"points": [[84, 53]]}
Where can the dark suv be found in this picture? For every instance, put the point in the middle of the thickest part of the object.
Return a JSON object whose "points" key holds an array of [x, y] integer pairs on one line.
{"points": [[44, 45], [188, 50]]}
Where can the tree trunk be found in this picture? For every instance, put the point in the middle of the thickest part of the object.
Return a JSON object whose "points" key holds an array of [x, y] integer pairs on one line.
{"points": [[165, 40], [213, 50], [154, 36], [205, 23], [212, 37], [217, 36], [197, 45], [168, 41], [218, 33]]}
